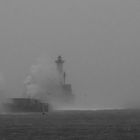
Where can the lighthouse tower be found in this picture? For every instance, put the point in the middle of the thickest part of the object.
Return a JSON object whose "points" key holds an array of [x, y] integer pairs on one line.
{"points": [[66, 88], [59, 62]]}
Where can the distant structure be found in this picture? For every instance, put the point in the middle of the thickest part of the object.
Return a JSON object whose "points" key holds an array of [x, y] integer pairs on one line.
{"points": [[59, 62], [67, 94]]}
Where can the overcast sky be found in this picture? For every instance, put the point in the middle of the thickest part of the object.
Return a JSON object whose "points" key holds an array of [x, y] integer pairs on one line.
{"points": [[100, 40]]}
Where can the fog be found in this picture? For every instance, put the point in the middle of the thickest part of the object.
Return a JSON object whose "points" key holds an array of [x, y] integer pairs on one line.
{"points": [[99, 40]]}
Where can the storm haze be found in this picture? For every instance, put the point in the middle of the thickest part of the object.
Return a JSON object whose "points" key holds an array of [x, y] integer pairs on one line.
{"points": [[99, 40]]}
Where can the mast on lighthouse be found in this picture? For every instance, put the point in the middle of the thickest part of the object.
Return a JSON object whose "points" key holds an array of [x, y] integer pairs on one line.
{"points": [[59, 62]]}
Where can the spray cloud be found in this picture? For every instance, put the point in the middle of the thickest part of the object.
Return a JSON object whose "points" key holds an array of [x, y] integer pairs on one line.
{"points": [[43, 82]]}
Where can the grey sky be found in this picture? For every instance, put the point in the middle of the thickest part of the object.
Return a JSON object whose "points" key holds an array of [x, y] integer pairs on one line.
{"points": [[100, 39]]}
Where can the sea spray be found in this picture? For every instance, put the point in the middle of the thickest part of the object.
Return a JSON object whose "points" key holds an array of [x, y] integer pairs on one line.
{"points": [[43, 83]]}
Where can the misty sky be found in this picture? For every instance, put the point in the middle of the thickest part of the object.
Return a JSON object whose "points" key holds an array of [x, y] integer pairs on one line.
{"points": [[100, 40]]}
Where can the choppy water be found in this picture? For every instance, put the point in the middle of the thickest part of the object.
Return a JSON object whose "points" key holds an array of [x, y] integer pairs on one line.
{"points": [[72, 125]]}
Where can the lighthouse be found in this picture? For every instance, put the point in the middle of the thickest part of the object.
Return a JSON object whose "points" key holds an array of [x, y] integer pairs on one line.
{"points": [[67, 95], [59, 62]]}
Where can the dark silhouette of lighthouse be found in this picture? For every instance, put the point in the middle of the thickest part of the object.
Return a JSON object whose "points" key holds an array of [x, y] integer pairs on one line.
{"points": [[66, 88], [62, 75]]}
